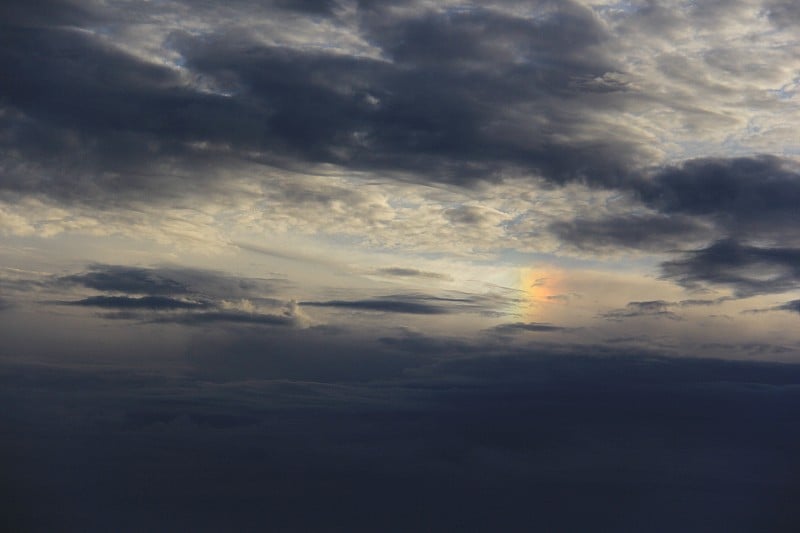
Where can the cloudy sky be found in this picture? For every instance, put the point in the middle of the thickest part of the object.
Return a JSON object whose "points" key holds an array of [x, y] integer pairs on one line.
{"points": [[322, 264]]}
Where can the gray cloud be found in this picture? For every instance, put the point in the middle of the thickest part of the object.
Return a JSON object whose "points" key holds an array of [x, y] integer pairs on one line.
{"points": [[525, 422], [753, 349], [520, 327], [171, 281], [234, 317], [450, 95], [153, 303], [699, 200], [644, 232], [115, 278], [321, 7], [412, 273], [118, 123], [44, 12], [794, 305], [176, 295], [748, 270], [417, 112], [426, 345], [424, 304], [783, 13], [722, 204], [747, 196], [264, 116], [654, 308], [700, 302], [382, 305]]}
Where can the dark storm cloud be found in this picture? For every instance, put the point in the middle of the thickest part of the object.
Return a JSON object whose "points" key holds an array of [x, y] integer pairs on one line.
{"points": [[519, 327], [153, 303], [654, 308], [747, 270], [420, 111], [746, 196], [83, 110], [84, 118], [47, 12], [699, 200], [728, 205], [656, 232]]}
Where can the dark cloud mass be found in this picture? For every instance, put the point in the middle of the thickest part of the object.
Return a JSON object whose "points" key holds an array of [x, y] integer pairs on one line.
{"points": [[656, 232], [85, 119], [748, 270], [125, 279], [746, 197], [477, 442], [742, 211]]}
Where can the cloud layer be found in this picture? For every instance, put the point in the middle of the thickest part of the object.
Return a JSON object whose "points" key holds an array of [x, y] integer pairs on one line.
{"points": [[400, 265]]}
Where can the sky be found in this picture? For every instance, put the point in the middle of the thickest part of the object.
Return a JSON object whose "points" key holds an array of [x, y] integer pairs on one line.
{"points": [[341, 265]]}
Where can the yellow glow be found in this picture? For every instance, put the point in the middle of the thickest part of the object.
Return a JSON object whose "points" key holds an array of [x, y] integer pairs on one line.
{"points": [[539, 286]]}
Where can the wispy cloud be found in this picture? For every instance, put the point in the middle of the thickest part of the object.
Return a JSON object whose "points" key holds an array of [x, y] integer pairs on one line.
{"points": [[382, 305], [144, 302], [521, 327], [651, 309], [411, 273]]}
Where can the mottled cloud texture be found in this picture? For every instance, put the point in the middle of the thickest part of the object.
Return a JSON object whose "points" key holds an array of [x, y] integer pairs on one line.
{"points": [[399, 265]]}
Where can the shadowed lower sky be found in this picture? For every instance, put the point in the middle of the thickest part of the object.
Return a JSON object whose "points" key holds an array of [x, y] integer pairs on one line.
{"points": [[427, 264]]}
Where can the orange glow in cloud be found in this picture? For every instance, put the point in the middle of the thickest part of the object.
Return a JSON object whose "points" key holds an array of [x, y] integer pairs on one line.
{"points": [[539, 286]]}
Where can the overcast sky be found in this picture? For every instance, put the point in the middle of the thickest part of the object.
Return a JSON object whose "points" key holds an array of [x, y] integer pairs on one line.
{"points": [[369, 241]]}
